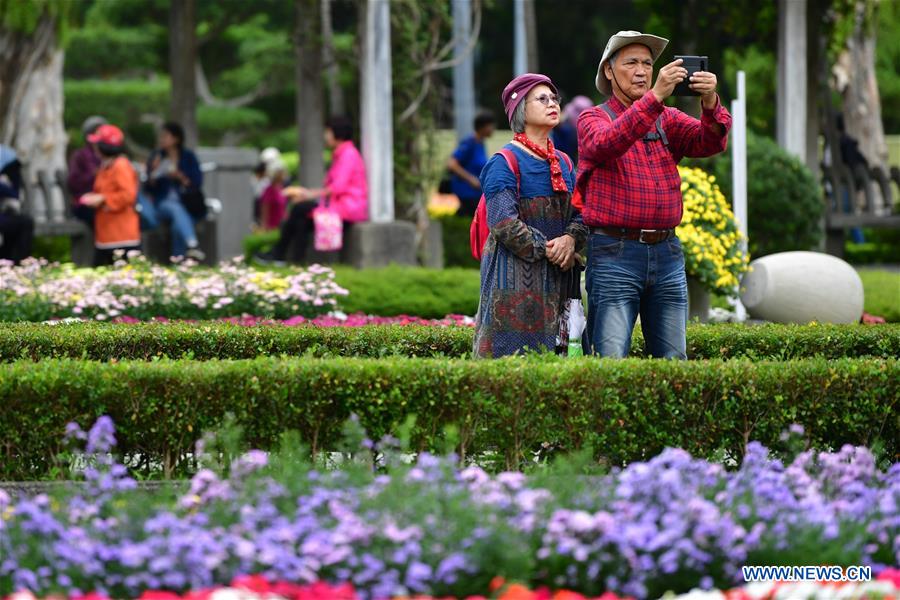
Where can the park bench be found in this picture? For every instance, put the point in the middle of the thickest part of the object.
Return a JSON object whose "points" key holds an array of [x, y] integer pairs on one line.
{"points": [[48, 201], [873, 193]]}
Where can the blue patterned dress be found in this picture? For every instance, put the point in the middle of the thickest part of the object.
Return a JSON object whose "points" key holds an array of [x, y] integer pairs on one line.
{"points": [[522, 293]]}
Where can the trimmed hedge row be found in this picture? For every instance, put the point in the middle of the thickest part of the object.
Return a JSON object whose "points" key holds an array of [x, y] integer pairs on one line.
{"points": [[510, 409], [103, 341]]}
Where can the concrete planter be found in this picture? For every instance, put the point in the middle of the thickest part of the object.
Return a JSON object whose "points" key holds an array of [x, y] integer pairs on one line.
{"points": [[698, 300]]}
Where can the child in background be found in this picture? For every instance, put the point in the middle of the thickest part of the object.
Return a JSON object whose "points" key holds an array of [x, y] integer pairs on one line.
{"points": [[116, 224], [272, 203]]}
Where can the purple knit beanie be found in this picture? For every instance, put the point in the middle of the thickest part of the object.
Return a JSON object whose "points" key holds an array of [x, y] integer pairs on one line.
{"points": [[516, 90]]}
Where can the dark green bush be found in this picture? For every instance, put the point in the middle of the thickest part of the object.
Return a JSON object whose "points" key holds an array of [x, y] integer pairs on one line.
{"points": [[625, 409], [455, 234], [213, 122], [56, 248], [259, 242], [784, 201], [122, 102], [426, 293], [210, 340], [101, 52]]}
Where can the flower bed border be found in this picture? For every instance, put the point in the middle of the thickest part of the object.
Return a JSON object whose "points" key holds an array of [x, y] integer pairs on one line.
{"points": [[213, 339], [625, 410]]}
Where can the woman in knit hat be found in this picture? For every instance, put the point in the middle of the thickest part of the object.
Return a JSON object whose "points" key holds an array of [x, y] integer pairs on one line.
{"points": [[535, 230]]}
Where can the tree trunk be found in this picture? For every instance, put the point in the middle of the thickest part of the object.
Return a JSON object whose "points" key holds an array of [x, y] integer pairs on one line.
{"points": [[862, 105], [31, 97], [310, 103], [182, 61], [336, 103], [531, 37]]}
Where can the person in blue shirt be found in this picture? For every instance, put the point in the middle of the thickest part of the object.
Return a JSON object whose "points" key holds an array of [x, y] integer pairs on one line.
{"points": [[173, 172], [466, 163]]}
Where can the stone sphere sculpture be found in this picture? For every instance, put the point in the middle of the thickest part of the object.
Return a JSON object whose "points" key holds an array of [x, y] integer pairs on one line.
{"points": [[799, 287]]}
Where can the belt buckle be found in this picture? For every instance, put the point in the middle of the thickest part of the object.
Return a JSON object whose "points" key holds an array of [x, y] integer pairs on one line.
{"points": [[643, 231]]}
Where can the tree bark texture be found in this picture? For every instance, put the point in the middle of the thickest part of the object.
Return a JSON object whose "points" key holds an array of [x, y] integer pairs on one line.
{"points": [[182, 61], [531, 37], [310, 100], [336, 103], [855, 70], [31, 100], [861, 100]]}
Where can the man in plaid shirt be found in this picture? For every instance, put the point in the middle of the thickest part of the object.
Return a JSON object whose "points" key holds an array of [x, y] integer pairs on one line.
{"points": [[628, 151]]}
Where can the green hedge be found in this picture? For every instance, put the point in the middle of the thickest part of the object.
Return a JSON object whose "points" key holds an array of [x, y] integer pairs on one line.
{"points": [[509, 409], [455, 235], [394, 290], [210, 340]]}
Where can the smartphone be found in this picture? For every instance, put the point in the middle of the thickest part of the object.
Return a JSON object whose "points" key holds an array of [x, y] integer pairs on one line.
{"points": [[692, 64]]}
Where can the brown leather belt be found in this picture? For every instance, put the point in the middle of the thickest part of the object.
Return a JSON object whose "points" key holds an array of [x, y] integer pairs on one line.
{"points": [[644, 236]]}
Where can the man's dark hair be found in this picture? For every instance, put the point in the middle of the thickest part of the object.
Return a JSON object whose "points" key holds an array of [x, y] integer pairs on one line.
{"points": [[176, 130], [483, 120], [341, 127]]}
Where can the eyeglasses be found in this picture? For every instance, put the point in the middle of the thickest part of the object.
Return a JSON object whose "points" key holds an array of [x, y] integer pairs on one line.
{"points": [[547, 99]]}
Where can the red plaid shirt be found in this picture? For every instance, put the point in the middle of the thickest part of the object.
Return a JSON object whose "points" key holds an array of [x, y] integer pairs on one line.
{"points": [[629, 182]]}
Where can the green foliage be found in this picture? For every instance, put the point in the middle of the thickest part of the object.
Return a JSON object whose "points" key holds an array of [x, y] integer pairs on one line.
{"points": [[259, 242], [24, 17], [217, 340], [416, 29], [760, 65], [121, 101], [215, 122], [455, 234], [887, 64], [427, 293], [871, 252], [882, 293], [783, 198], [102, 52], [53, 248], [625, 409]]}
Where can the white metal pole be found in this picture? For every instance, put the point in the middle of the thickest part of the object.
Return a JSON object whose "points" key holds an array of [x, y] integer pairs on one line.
{"points": [[377, 111], [739, 171], [464, 71], [520, 53]]}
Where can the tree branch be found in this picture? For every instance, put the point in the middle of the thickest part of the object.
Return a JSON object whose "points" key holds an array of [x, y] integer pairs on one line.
{"points": [[208, 98]]}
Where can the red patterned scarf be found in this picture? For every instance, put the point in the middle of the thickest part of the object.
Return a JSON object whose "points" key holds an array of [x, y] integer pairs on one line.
{"points": [[556, 174]]}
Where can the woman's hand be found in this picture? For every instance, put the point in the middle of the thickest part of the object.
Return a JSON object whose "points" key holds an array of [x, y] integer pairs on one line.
{"points": [[561, 251], [91, 199], [296, 193]]}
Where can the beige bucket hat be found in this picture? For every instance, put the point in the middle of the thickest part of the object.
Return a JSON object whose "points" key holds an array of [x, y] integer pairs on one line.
{"points": [[620, 40]]}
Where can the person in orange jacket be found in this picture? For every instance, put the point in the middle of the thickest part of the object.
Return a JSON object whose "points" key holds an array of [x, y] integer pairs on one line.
{"points": [[116, 223]]}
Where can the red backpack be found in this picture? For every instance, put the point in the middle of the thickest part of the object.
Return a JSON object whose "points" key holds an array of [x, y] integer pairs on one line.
{"points": [[479, 230]]}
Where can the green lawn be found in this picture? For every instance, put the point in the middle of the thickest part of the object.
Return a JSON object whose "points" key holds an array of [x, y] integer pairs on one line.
{"points": [[882, 290]]}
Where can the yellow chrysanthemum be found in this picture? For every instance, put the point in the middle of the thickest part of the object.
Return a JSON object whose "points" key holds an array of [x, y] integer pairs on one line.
{"points": [[709, 234]]}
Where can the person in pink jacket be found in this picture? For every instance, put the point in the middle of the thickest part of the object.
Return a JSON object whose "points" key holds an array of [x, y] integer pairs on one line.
{"points": [[344, 189]]}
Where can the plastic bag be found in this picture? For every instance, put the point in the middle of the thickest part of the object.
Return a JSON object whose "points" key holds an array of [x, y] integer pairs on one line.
{"points": [[329, 229]]}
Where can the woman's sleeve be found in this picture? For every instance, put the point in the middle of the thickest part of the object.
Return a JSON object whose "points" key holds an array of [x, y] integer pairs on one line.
{"points": [[501, 195], [192, 169], [340, 175], [576, 227]]}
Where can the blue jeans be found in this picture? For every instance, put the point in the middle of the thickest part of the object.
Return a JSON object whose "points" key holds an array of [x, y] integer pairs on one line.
{"points": [[172, 211], [626, 277]]}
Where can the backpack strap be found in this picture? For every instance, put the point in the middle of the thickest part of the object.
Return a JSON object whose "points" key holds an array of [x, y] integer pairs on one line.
{"points": [[568, 162], [608, 110], [513, 163], [660, 134]]}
